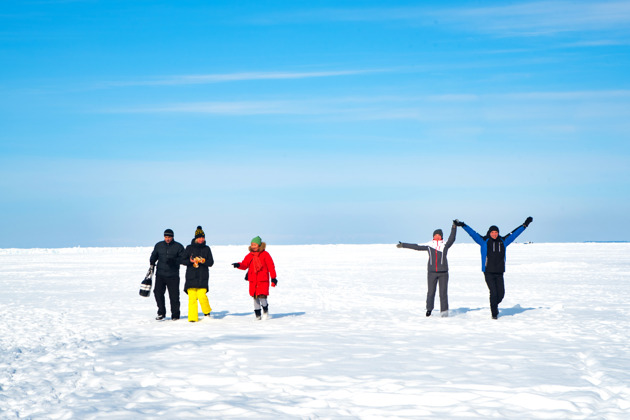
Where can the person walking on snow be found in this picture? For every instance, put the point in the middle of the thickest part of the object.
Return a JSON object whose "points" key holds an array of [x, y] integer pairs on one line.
{"points": [[197, 258], [261, 267], [167, 254], [493, 259], [437, 267]]}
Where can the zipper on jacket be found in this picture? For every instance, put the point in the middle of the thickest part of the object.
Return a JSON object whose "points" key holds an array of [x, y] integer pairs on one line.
{"points": [[436, 261]]}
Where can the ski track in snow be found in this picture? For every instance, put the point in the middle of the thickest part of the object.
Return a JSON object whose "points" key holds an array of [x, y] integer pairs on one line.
{"points": [[347, 337]]}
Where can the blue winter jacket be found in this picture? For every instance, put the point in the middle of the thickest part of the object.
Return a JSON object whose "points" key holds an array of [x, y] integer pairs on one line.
{"points": [[493, 250]]}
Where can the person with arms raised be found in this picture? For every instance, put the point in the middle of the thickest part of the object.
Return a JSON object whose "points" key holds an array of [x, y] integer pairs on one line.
{"points": [[493, 247]]}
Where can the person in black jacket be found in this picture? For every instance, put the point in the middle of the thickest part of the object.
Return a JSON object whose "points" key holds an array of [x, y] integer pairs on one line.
{"points": [[492, 248], [167, 254], [437, 267], [197, 258]]}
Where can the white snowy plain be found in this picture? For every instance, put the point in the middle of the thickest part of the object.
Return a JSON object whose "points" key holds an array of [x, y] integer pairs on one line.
{"points": [[347, 337]]}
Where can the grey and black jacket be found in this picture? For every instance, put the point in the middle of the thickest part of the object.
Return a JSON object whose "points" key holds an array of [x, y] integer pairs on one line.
{"points": [[438, 263]]}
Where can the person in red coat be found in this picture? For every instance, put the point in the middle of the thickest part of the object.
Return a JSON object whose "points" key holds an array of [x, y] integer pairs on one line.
{"points": [[261, 268]]}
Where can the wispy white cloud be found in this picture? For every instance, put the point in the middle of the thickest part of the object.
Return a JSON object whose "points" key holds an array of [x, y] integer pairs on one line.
{"points": [[542, 18], [222, 108], [447, 107], [598, 43], [520, 19], [197, 79]]}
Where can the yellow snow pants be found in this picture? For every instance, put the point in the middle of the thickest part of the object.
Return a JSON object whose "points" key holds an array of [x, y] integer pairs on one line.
{"points": [[193, 295]]}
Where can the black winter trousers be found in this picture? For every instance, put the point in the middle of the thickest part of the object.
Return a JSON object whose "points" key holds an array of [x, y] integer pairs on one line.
{"points": [[172, 284], [497, 291], [433, 279]]}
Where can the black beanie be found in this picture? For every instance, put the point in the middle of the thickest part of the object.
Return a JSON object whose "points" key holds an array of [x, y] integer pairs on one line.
{"points": [[199, 233], [492, 229], [169, 232], [438, 232]]}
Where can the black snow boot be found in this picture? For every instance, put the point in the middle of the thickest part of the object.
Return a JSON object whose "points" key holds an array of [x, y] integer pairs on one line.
{"points": [[257, 312], [428, 313]]}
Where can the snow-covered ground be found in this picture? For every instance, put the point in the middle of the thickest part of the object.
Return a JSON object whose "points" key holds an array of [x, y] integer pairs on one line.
{"points": [[347, 339]]}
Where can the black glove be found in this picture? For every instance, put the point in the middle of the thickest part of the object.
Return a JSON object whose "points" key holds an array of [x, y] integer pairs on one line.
{"points": [[247, 276], [399, 244], [236, 265], [459, 223], [274, 282], [528, 221]]}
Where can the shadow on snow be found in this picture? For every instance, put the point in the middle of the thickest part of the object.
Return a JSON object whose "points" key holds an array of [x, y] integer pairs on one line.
{"points": [[515, 310], [223, 314]]}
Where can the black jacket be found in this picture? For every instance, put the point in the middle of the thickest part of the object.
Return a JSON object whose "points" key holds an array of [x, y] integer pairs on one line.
{"points": [[197, 278], [495, 257], [168, 257], [493, 250]]}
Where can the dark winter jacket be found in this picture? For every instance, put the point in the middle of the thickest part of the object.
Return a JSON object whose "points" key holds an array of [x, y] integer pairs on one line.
{"points": [[197, 278], [493, 250], [438, 263], [168, 257], [259, 279]]}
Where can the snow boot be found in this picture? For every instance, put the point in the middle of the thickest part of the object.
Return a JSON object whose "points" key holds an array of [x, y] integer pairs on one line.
{"points": [[257, 312], [444, 314], [159, 317], [428, 313], [265, 314]]}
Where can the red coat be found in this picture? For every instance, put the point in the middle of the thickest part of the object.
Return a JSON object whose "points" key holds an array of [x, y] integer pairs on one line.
{"points": [[259, 280]]}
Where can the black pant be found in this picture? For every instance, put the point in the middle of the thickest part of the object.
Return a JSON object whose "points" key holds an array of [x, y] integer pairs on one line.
{"points": [[433, 279], [497, 291], [161, 284]]}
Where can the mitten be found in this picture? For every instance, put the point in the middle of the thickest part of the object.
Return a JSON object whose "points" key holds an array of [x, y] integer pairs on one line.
{"points": [[274, 282], [528, 221], [236, 265]]}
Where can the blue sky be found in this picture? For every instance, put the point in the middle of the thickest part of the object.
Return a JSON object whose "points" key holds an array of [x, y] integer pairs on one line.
{"points": [[312, 122]]}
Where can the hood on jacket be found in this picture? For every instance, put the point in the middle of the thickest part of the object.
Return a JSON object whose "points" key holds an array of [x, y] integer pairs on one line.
{"points": [[261, 248]]}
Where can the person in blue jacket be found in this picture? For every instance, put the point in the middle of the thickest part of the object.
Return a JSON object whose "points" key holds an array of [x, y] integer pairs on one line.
{"points": [[493, 258]]}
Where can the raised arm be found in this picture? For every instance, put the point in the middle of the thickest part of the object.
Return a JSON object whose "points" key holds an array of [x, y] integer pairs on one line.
{"points": [[514, 234], [412, 246], [476, 237], [451, 238]]}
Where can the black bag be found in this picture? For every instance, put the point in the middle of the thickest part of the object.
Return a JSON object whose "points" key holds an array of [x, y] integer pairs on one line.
{"points": [[145, 286]]}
